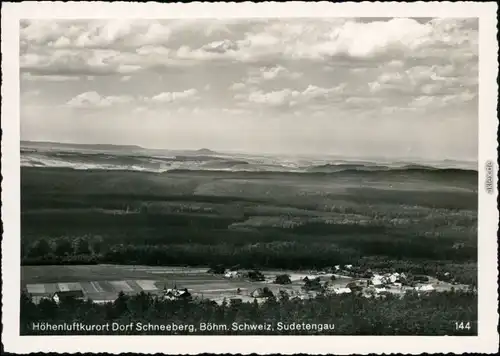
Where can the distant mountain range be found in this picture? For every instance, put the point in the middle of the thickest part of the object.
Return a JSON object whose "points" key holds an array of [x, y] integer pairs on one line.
{"points": [[205, 151], [108, 147]]}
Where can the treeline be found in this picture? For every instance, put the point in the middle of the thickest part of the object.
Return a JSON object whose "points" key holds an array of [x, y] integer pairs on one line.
{"points": [[161, 229], [294, 256], [82, 250], [435, 314], [277, 254]]}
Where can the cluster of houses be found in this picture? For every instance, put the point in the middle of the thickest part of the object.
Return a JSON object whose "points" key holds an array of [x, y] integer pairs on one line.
{"points": [[233, 274], [372, 283], [364, 281], [59, 297], [176, 294]]}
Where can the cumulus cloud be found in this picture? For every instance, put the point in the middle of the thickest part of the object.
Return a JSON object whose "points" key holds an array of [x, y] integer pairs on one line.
{"points": [[237, 86], [94, 33], [344, 37], [422, 80], [99, 47], [271, 73], [169, 97], [69, 62], [92, 99], [289, 97], [439, 101], [48, 78], [94, 47]]}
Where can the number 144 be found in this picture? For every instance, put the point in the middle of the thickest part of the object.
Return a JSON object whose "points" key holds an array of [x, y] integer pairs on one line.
{"points": [[462, 325]]}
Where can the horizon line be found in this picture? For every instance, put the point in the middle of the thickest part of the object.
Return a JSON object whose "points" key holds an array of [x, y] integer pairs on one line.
{"points": [[258, 153]]}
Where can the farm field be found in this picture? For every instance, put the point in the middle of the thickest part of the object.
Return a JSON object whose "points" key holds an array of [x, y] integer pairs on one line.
{"points": [[103, 282]]}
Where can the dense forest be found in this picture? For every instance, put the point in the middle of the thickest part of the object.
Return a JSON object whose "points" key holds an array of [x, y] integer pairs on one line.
{"points": [[434, 314], [88, 217], [284, 256]]}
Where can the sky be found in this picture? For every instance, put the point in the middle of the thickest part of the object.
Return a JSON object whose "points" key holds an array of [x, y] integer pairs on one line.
{"points": [[388, 87]]}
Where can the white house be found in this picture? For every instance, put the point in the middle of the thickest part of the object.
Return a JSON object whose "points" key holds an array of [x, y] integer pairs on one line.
{"points": [[394, 277], [348, 266], [342, 290], [380, 290], [176, 294], [425, 288], [70, 294], [377, 280], [232, 274]]}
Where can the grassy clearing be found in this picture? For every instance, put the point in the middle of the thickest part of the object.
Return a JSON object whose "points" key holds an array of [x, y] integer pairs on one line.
{"points": [[67, 274]]}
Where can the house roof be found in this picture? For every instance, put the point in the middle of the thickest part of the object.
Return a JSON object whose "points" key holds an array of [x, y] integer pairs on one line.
{"points": [[342, 290], [70, 293], [377, 280], [176, 292]]}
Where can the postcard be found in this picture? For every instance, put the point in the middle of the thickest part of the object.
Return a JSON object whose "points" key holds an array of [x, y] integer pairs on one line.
{"points": [[249, 177]]}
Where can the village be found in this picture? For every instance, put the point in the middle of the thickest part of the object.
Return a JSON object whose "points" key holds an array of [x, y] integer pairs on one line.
{"points": [[346, 279], [235, 285]]}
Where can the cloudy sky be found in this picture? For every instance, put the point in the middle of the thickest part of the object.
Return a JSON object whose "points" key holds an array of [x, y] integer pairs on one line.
{"points": [[354, 87]]}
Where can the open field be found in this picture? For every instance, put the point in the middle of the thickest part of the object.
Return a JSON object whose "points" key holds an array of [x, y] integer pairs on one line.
{"points": [[112, 280]]}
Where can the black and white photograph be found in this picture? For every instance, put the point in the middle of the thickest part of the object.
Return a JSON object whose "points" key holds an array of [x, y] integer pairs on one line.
{"points": [[267, 176]]}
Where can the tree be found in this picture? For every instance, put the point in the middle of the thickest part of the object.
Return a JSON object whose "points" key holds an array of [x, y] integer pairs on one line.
{"points": [[354, 286], [63, 248], [40, 248], [256, 276], [82, 247], [28, 311], [48, 309], [283, 296], [218, 269], [121, 304], [312, 284], [283, 279], [97, 247], [267, 293]]}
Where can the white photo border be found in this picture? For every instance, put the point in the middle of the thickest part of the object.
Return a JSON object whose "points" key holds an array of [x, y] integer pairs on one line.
{"points": [[487, 339]]}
